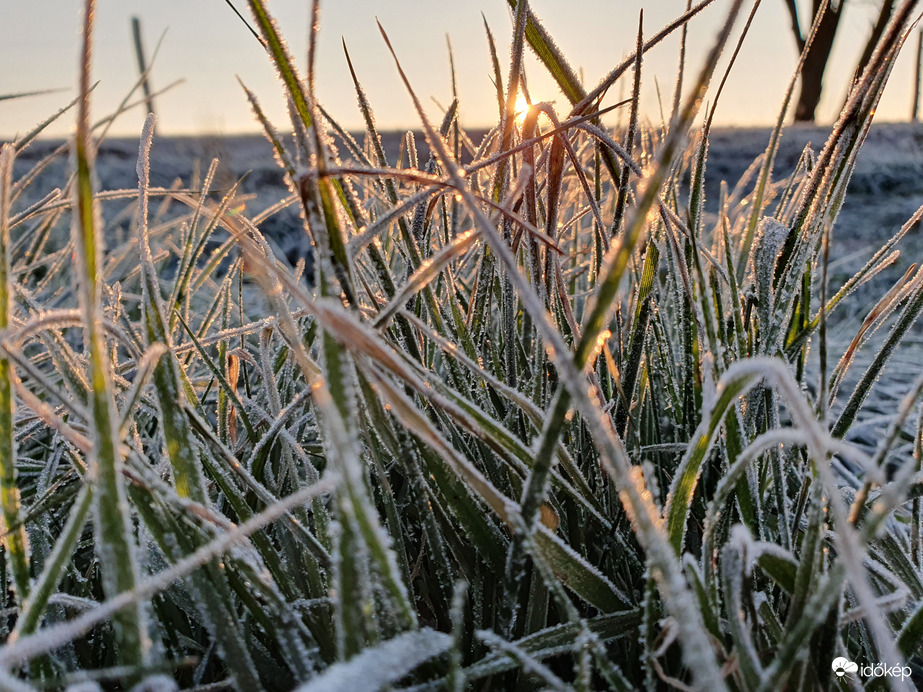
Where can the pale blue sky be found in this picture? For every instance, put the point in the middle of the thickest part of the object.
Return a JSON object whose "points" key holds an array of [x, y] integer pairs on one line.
{"points": [[206, 44]]}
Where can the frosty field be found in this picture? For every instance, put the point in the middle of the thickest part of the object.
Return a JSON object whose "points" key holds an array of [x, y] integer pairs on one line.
{"points": [[885, 190]]}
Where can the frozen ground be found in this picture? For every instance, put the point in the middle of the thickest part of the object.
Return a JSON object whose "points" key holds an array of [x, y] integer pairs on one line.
{"points": [[885, 190]]}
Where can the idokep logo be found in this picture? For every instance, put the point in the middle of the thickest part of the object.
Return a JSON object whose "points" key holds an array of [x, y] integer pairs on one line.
{"points": [[843, 667]]}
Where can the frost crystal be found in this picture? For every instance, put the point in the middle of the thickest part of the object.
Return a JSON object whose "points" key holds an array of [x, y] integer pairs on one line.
{"points": [[156, 683], [376, 668]]}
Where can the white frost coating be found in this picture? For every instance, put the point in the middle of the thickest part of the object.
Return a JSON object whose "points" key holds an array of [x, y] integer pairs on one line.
{"points": [[709, 388], [156, 683], [742, 541], [529, 663], [382, 665], [84, 686], [576, 557], [52, 637], [770, 237]]}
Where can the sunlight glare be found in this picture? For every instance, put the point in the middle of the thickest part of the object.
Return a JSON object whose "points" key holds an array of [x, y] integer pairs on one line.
{"points": [[522, 107]]}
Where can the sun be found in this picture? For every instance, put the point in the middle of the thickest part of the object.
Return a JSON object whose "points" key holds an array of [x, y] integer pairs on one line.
{"points": [[522, 107]]}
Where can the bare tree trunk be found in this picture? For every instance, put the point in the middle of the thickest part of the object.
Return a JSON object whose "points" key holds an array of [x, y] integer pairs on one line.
{"points": [[887, 9], [884, 16], [812, 76], [142, 64], [792, 6], [918, 67]]}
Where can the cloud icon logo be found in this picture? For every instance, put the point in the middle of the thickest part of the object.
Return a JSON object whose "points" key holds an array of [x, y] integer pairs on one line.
{"points": [[841, 666]]}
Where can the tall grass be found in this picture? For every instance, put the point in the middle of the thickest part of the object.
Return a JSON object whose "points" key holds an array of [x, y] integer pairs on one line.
{"points": [[537, 418]]}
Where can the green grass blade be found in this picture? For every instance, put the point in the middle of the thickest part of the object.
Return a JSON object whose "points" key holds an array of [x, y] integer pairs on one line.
{"points": [[55, 565], [15, 541], [187, 472], [731, 386], [907, 318], [115, 543]]}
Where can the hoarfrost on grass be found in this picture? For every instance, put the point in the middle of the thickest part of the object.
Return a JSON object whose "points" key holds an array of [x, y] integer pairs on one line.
{"points": [[378, 667]]}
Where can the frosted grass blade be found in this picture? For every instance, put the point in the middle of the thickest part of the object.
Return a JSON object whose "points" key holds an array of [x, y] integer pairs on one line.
{"points": [[15, 541], [116, 546]]}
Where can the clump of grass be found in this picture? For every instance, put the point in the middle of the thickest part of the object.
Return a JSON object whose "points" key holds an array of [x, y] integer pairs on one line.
{"points": [[535, 420]]}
